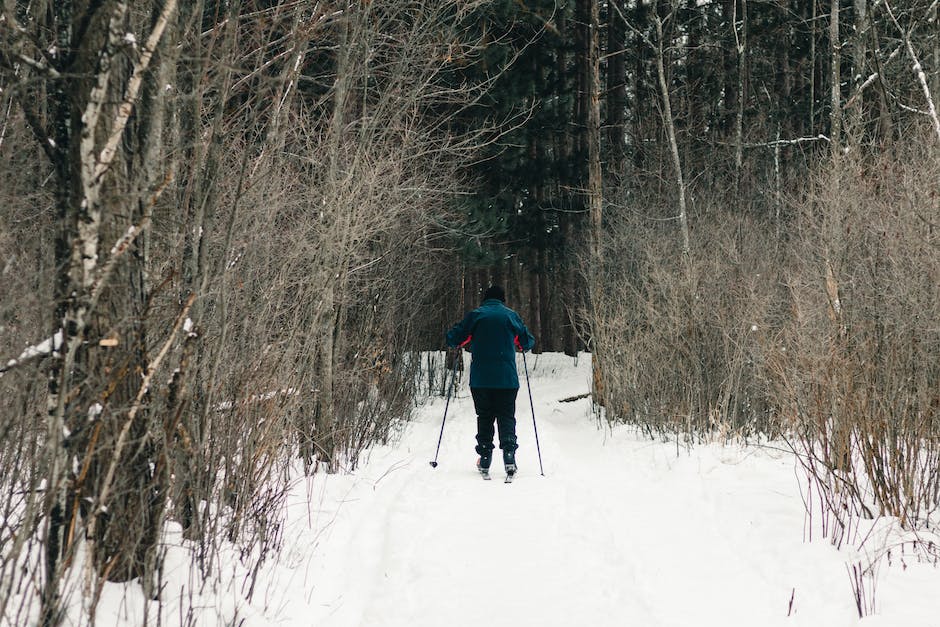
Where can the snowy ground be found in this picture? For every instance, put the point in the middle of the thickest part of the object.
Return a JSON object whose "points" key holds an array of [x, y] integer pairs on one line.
{"points": [[620, 531]]}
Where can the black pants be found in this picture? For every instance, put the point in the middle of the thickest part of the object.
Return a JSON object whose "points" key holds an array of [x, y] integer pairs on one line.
{"points": [[499, 405]]}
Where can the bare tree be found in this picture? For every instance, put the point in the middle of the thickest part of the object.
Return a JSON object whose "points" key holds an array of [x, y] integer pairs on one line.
{"points": [[216, 171], [78, 89], [670, 126]]}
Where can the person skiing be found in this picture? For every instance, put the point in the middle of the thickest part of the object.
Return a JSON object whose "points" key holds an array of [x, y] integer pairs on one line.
{"points": [[493, 331]]}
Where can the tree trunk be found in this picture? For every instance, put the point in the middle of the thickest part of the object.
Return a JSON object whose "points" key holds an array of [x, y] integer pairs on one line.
{"points": [[324, 420], [616, 87], [740, 36], [199, 132], [935, 19], [567, 295], [103, 159], [813, 81], [535, 305], [694, 66], [856, 123], [835, 78], [731, 58], [669, 123], [591, 122], [641, 88], [549, 322]]}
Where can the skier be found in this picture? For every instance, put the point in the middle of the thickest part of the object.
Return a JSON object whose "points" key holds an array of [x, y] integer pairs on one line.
{"points": [[492, 331]]}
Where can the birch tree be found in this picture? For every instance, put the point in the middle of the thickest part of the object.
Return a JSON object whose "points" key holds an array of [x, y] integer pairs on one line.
{"points": [[85, 69]]}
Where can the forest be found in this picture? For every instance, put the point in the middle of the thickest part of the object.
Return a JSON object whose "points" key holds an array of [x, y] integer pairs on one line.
{"points": [[230, 231]]}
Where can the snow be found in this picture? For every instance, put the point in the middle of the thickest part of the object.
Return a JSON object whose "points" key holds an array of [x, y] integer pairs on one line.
{"points": [[94, 411], [37, 350], [621, 530]]}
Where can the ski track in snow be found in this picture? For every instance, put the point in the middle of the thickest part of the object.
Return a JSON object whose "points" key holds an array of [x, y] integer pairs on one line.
{"points": [[622, 530]]}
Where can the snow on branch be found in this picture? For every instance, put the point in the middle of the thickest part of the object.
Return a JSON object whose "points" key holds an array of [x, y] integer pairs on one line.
{"points": [[782, 142], [871, 79], [257, 398], [34, 352], [918, 71]]}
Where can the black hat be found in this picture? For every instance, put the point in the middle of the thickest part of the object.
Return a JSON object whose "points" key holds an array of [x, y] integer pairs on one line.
{"points": [[494, 291]]}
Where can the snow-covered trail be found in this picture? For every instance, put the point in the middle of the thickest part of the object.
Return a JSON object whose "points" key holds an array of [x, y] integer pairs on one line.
{"points": [[621, 530]]}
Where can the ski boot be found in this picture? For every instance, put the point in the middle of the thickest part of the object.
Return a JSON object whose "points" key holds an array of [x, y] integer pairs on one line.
{"points": [[509, 461], [483, 464]]}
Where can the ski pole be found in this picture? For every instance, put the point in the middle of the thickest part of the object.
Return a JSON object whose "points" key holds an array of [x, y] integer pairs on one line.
{"points": [[453, 378], [532, 405]]}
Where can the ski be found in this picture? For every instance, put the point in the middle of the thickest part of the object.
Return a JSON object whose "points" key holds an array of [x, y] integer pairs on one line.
{"points": [[510, 473], [509, 478]]}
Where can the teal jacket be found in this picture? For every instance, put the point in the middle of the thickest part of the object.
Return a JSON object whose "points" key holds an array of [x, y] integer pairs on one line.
{"points": [[492, 330]]}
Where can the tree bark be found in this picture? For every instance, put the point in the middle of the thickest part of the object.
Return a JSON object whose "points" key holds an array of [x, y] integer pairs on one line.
{"points": [[594, 184], [835, 80], [616, 88], [731, 59], [565, 147], [669, 123], [104, 160], [740, 37], [641, 88], [324, 421], [856, 124]]}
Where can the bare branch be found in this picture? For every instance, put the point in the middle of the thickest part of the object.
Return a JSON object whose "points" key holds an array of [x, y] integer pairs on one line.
{"points": [[133, 88], [871, 79], [123, 245], [779, 142], [918, 71], [34, 353]]}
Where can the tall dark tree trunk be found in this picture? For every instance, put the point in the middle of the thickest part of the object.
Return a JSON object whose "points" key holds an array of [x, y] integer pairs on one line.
{"points": [[565, 147], [835, 81], [695, 70], [548, 321], [641, 87], [616, 87], [589, 62], [729, 14], [859, 45]]}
